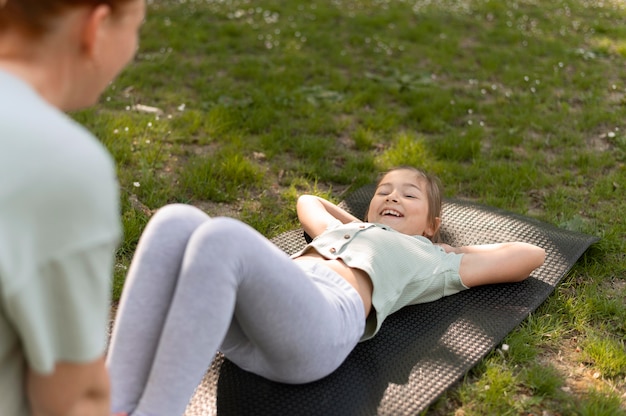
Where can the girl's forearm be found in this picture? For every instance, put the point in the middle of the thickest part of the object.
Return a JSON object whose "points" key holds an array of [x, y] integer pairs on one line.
{"points": [[497, 263], [337, 212], [307, 203]]}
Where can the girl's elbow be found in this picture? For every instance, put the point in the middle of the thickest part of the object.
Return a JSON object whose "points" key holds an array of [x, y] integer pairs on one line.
{"points": [[534, 255], [539, 256], [536, 258], [302, 199], [533, 258], [304, 202]]}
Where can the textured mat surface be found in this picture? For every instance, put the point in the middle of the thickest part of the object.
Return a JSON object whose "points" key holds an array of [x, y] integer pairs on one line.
{"points": [[421, 350]]}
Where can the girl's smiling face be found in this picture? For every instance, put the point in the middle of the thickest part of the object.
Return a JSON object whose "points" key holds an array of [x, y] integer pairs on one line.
{"points": [[402, 202]]}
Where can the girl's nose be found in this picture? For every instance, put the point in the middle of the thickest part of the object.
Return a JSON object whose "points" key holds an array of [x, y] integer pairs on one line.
{"points": [[392, 197]]}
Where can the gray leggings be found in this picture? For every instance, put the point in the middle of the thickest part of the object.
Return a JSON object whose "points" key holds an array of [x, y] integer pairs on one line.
{"points": [[198, 284]]}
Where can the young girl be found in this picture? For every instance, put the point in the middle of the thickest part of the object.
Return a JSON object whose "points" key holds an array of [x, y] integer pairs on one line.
{"points": [[59, 208], [198, 285]]}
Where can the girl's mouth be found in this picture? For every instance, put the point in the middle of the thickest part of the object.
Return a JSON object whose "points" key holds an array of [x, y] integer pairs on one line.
{"points": [[391, 213]]}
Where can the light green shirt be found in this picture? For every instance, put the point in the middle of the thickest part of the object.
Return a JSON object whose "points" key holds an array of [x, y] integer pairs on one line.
{"points": [[59, 226], [405, 270]]}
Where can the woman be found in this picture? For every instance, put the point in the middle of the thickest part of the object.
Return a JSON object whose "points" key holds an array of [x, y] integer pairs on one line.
{"points": [[59, 218], [198, 285]]}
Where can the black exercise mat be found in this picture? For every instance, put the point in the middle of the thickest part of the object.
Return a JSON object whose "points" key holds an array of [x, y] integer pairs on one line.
{"points": [[421, 350]]}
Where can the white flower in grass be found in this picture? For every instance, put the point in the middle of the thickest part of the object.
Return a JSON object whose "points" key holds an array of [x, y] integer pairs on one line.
{"points": [[136, 184]]}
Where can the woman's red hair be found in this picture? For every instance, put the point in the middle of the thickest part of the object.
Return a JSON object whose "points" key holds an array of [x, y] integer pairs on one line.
{"points": [[34, 17]]}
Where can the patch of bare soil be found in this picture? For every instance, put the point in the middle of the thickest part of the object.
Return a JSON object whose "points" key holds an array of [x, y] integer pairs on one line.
{"points": [[579, 378], [220, 209]]}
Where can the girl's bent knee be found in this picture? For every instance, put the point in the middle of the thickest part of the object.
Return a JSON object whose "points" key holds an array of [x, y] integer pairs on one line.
{"points": [[177, 215], [225, 230], [178, 211]]}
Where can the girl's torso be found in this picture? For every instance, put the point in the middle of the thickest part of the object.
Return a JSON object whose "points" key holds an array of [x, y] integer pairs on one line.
{"points": [[355, 277]]}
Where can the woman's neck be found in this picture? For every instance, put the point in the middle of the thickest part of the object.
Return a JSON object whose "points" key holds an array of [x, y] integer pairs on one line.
{"points": [[39, 63]]}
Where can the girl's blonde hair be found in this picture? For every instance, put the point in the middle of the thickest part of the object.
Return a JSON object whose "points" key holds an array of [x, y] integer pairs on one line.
{"points": [[433, 192]]}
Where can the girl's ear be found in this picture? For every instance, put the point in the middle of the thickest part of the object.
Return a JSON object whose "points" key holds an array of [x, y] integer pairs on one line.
{"points": [[91, 33], [432, 230]]}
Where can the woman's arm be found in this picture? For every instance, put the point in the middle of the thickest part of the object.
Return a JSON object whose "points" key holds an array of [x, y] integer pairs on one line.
{"points": [[315, 214], [71, 389], [497, 263]]}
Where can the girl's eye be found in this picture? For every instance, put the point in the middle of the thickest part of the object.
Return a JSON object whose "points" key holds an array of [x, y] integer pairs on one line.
{"points": [[410, 196]]}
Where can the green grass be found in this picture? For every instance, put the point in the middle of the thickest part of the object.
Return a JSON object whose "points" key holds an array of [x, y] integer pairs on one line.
{"points": [[517, 104]]}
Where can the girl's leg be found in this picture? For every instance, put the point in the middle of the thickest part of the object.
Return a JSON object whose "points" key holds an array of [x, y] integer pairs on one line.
{"points": [[146, 300], [308, 344], [284, 326]]}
